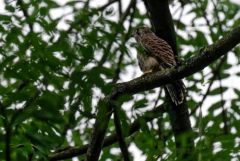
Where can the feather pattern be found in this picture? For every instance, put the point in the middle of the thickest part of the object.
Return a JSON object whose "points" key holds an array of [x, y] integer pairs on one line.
{"points": [[159, 57], [159, 49]]}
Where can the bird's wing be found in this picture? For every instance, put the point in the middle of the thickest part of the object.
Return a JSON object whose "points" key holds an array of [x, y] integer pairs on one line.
{"points": [[160, 49]]}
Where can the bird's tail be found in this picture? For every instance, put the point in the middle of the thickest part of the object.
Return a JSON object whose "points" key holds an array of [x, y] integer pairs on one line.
{"points": [[177, 92]]}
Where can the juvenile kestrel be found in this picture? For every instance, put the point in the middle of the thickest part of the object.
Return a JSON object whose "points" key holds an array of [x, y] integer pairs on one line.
{"points": [[159, 56]]}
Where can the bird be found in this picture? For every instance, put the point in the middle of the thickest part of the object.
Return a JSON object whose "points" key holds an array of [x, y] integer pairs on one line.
{"points": [[158, 55]]}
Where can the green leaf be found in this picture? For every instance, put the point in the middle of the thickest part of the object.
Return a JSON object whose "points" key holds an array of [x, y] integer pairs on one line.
{"points": [[218, 90], [140, 104], [215, 106], [5, 18], [10, 8]]}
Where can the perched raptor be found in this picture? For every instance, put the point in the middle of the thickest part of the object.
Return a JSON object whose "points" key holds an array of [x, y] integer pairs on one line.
{"points": [[159, 56]]}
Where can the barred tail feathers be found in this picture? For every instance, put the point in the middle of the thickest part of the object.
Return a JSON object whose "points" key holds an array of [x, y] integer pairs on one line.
{"points": [[176, 91]]}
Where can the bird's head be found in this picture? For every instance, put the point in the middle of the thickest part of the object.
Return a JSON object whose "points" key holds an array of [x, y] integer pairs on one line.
{"points": [[142, 32]]}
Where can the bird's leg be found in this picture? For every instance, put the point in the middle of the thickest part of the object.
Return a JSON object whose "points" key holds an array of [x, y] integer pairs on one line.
{"points": [[147, 72]]}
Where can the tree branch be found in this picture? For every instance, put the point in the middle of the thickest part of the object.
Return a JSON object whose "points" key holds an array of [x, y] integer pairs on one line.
{"points": [[135, 126], [153, 80], [105, 111], [122, 144]]}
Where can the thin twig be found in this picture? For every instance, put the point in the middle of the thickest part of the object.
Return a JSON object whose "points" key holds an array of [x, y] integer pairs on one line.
{"points": [[120, 8], [204, 14], [157, 100], [216, 71], [220, 28], [224, 112], [162, 138], [25, 13]]}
